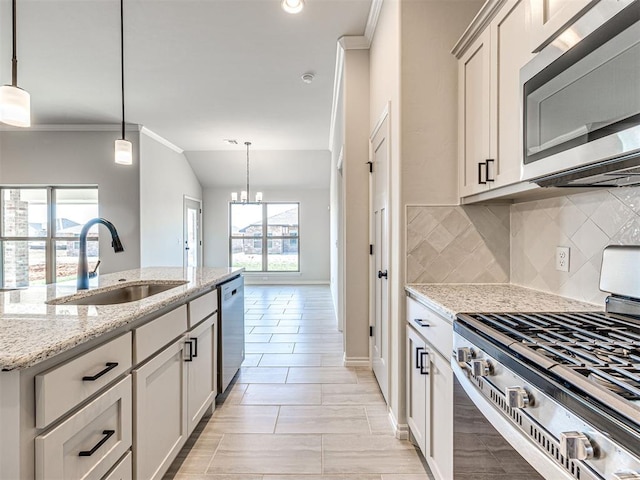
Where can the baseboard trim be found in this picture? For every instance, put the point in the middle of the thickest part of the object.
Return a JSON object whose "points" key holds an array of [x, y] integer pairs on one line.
{"points": [[356, 361], [401, 429]]}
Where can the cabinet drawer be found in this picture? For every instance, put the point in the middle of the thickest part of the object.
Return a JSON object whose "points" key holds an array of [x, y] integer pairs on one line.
{"points": [[432, 327], [89, 443], [122, 470], [202, 307], [153, 336], [60, 389]]}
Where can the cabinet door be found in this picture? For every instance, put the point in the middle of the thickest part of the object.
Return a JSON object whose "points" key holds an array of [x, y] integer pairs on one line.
{"points": [[509, 54], [549, 17], [159, 413], [200, 371], [418, 389], [474, 117], [440, 457]]}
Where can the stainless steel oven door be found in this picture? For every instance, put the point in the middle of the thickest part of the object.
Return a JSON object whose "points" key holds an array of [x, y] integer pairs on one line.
{"points": [[487, 445], [581, 101]]}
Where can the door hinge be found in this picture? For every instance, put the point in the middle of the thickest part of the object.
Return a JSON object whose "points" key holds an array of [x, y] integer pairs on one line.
{"points": [[370, 167], [370, 249], [371, 330]]}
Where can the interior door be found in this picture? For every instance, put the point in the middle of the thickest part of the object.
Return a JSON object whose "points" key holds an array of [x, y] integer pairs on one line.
{"points": [[379, 222], [192, 233]]}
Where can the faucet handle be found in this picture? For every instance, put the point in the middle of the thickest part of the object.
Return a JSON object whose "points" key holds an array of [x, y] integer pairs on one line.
{"points": [[94, 273]]}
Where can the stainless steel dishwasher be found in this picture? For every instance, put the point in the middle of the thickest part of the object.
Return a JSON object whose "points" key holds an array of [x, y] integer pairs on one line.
{"points": [[231, 331]]}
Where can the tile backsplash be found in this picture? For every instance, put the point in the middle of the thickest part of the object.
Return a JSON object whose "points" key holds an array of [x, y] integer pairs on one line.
{"points": [[584, 222], [463, 244]]}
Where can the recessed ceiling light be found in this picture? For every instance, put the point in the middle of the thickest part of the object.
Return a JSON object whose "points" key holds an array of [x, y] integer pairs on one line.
{"points": [[307, 77], [230, 141], [292, 6]]}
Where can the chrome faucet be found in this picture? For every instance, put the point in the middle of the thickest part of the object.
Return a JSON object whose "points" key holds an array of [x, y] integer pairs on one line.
{"points": [[83, 274]]}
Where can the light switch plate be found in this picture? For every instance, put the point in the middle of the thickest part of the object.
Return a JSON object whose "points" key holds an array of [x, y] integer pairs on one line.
{"points": [[562, 259]]}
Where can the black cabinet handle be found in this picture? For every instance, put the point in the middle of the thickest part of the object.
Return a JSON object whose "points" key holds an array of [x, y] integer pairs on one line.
{"points": [[418, 358], [422, 363], [190, 357], [382, 274], [195, 346], [421, 322], [480, 165], [107, 435], [109, 366], [486, 169]]}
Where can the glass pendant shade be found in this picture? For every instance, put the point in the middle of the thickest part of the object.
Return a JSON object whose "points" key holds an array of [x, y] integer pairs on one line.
{"points": [[292, 6], [124, 152], [15, 106], [234, 196], [243, 196], [258, 197]]}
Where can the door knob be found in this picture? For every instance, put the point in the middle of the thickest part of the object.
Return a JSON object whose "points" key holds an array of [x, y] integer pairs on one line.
{"points": [[382, 274]]}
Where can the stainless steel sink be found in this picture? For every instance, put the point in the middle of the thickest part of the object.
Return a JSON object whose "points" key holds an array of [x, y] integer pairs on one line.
{"points": [[122, 294]]}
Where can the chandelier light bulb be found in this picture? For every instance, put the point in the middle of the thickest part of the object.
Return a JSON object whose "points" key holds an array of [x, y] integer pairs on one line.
{"points": [[292, 6], [243, 196], [258, 197], [234, 196]]}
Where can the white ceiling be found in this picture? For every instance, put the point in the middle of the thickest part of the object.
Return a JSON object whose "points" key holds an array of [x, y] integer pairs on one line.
{"points": [[197, 71]]}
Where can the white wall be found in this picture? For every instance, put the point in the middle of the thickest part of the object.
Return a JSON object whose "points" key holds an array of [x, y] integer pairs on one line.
{"points": [[165, 178], [314, 232], [82, 158]]}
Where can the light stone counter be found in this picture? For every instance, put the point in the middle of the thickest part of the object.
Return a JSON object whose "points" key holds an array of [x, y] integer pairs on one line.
{"points": [[449, 299], [32, 331]]}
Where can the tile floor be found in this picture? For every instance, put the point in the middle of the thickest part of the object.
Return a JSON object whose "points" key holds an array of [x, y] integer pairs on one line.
{"points": [[294, 412]]}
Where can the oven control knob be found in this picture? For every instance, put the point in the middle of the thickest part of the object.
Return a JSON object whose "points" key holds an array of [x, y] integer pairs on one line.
{"points": [[575, 446], [626, 475], [517, 397], [463, 354], [480, 368]]}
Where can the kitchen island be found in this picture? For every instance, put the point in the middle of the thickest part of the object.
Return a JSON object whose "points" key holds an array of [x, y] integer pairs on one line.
{"points": [[82, 386]]}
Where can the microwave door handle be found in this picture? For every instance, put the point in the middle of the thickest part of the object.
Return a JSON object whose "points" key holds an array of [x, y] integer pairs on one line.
{"points": [[489, 178]]}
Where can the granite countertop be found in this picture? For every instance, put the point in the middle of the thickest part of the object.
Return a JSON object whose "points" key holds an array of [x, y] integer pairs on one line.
{"points": [[32, 330], [450, 299]]}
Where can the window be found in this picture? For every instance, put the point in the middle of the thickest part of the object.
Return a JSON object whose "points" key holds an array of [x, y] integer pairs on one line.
{"points": [[39, 233], [263, 237]]}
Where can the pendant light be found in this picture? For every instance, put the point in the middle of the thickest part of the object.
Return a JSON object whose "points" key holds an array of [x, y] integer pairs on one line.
{"points": [[244, 194], [123, 147], [15, 103]]}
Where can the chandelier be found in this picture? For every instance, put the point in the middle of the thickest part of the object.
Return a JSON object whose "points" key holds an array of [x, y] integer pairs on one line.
{"points": [[244, 194]]}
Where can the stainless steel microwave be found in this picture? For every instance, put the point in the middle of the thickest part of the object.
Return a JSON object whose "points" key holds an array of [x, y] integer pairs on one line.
{"points": [[581, 102]]}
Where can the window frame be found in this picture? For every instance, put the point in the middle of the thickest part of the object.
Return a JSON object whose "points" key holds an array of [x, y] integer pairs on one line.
{"points": [[49, 240], [265, 237]]}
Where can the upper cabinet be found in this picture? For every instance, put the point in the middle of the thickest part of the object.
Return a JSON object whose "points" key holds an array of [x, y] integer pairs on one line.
{"points": [[489, 101], [550, 17]]}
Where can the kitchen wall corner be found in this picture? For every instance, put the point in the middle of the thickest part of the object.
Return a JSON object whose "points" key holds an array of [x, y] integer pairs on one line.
{"points": [[458, 244], [584, 222]]}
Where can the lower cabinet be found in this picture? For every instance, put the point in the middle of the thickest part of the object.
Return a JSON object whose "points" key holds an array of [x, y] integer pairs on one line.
{"points": [[160, 424], [429, 392], [201, 371]]}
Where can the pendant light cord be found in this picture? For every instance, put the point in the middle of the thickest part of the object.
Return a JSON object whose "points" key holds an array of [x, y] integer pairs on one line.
{"points": [[121, 58], [14, 59], [248, 195]]}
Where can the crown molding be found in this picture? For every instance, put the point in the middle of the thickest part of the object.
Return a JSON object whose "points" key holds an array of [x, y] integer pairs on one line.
{"points": [[73, 128], [477, 26], [161, 140], [372, 20]]}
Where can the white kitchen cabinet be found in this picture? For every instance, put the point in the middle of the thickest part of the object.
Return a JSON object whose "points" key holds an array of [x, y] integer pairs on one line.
{"points": [[550, 17], [160, 430], [490, 139], [476, 166], [418, 394], [201, 371], [430, 388]]}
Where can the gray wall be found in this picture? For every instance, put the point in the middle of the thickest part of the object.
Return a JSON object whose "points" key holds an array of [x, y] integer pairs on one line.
{"points": [[165, 178], [71, 158], [314, 233]]}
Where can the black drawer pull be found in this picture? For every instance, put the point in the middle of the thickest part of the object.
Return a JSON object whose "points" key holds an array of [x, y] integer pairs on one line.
{"points": [[195, 346], [107, 435], [480, 165], [424, 370], [486, 169], [421, 322], [190, 357], [109, 366], [418, 358]]}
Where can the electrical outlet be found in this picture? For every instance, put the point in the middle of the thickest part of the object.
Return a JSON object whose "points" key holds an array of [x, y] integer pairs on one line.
{"points": [[562, 259]]}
